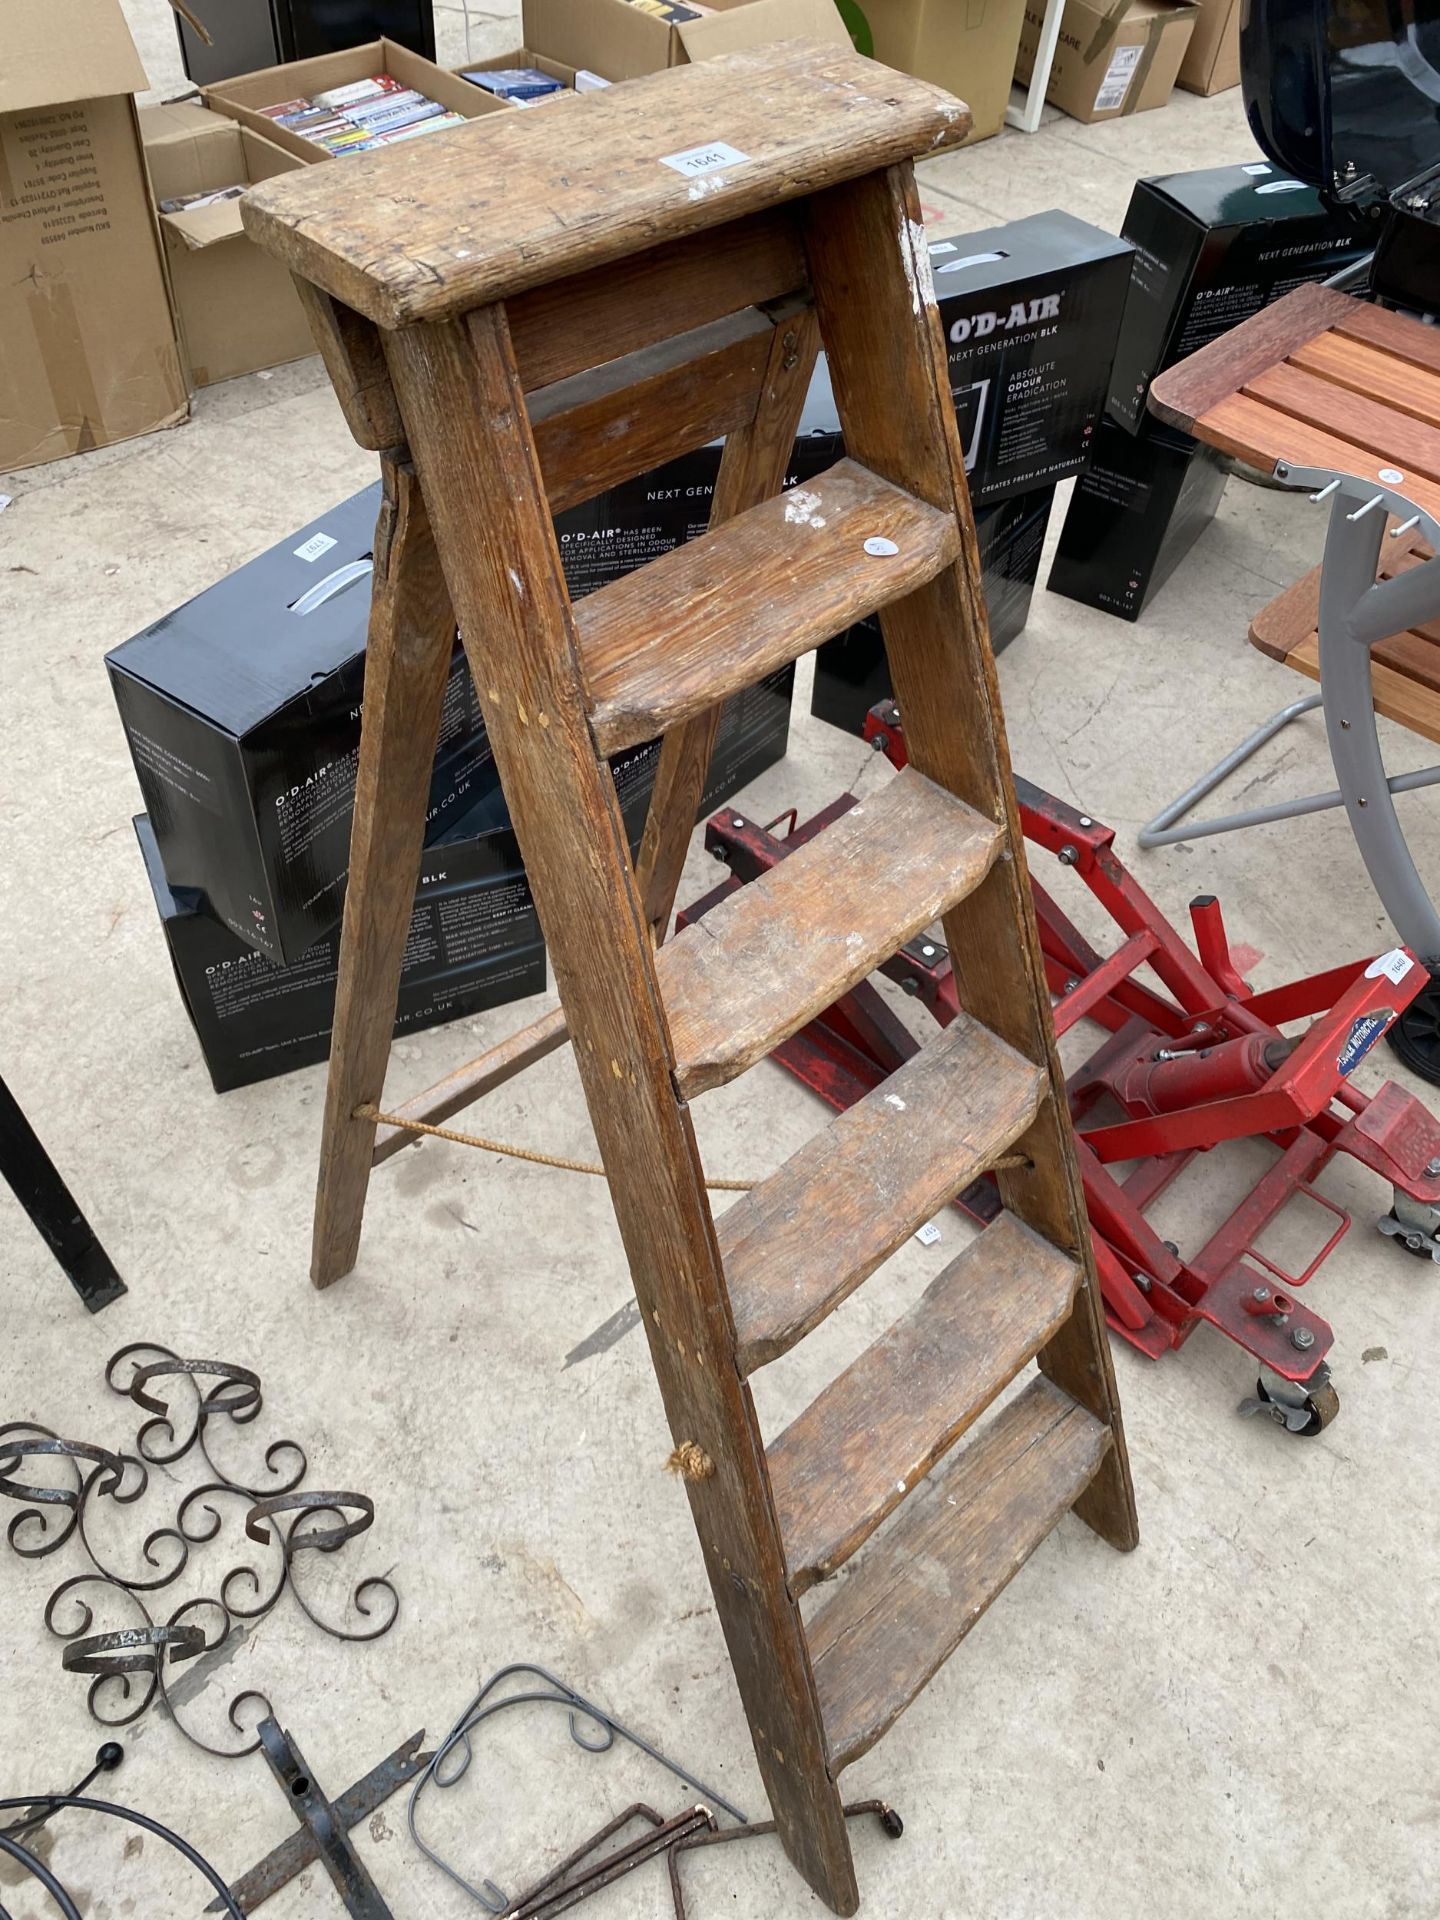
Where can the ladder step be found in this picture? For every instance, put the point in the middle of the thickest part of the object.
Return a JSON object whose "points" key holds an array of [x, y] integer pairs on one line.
{"points": [[801, 1242], [758, 966], [928, 1578], [873, 1434], [712, 617]]}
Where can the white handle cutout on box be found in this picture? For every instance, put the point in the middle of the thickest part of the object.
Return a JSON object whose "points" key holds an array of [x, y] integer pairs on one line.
{"points": [[332, 584]]}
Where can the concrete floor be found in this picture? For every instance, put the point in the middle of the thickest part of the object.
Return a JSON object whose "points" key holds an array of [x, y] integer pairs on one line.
{"points": [[1237, 1719]]}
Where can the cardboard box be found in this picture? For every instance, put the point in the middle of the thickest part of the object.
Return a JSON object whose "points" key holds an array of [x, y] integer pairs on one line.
{"points": [[243, 97], [1133, 517], [1110, 59], [236, 306], [474, 943], [620, 42], [1212, 248], [242, 714], [1212, 59], [851, 672], [1031, 312], [969, 50], [89, 350]]}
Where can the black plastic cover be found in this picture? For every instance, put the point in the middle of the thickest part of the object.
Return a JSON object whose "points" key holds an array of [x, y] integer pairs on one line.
{"points": [[1345, 93]]}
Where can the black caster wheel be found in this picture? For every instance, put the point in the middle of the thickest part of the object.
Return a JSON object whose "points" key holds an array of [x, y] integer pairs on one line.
{"points": [[1409, 1240], [1415, 1036], [1320, 1409], [891, 1823]]}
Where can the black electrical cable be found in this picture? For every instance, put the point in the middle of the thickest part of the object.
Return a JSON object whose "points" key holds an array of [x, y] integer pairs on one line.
{"points": [[38, 1870], [182, 1847], [107, 1758]]}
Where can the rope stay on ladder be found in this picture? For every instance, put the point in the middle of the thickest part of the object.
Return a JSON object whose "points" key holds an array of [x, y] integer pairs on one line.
{"points": [[532, 1154]]}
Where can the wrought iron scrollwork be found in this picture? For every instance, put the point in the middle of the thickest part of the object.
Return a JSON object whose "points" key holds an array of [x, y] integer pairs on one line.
{"points": [[236, 1396], [63, 1487]]}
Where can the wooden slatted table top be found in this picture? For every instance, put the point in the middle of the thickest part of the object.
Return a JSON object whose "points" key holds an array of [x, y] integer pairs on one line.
{"points": [[1319, 379], [432, 228], [1405, 673]]}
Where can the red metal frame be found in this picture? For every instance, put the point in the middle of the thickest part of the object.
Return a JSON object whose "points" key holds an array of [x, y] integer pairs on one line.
{"points": [[1198, 1062]]}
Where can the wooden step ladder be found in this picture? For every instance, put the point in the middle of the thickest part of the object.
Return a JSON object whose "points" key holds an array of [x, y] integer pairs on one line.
{"points": [[527, 310]]}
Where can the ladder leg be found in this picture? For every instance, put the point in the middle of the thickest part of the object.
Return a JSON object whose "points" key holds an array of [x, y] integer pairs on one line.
{"points": [[412, 637], [752, 469], [871, 274], [461, 398]]}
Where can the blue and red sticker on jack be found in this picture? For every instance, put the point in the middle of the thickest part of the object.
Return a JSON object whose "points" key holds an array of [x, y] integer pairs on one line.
{"points": [[1365, 1031]]}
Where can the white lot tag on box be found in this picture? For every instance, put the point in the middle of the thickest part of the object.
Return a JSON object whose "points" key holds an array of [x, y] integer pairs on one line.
{"points": [[317, 544], [709, 159], [1118, 75]]}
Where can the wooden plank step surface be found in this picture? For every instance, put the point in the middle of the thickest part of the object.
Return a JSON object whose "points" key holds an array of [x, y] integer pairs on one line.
{"points": [[1183, 394], [855, 1453], [795, 1246], [1367, 424], [671, 639], [513, 200], [755, 968], [1261, 435], [1405, 668], [957, 1544], [1379, 376], [633, 414]]}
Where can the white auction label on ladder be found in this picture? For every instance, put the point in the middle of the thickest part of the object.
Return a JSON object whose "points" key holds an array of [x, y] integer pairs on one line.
{"points": [[697, 160]]}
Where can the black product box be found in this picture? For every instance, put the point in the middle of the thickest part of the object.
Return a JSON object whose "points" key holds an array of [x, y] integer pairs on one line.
{"points": [[1134, 515], [851, 672], [474, 943], [242, 713], [1030, 312], [1212, 248]]}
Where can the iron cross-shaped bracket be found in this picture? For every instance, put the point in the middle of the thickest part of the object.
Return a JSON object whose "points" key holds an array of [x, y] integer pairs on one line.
{"points": [[325, 1826]]}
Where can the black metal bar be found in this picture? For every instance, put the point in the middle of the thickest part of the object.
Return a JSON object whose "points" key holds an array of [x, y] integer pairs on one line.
{"points": [[890, 1823], [32, 1177], [357, 1803], [332, 1842], [580, 1876]]}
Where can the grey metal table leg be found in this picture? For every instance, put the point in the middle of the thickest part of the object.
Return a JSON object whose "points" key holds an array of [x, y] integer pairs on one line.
{"points": [[1162, 830], [1355, 612]]}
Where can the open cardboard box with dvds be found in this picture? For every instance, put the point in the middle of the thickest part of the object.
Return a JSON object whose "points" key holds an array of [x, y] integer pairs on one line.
{"points": [[245, 97]]}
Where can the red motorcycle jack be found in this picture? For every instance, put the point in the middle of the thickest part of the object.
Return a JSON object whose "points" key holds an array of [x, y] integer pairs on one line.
{"points": [[1186, 1064]]}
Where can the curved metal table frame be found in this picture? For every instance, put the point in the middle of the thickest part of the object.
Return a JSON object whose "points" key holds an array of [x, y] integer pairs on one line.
{"points": [[1356, 612]]}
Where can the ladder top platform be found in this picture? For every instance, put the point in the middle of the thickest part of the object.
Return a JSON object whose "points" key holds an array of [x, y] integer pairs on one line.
{"points": [[432, 228]]}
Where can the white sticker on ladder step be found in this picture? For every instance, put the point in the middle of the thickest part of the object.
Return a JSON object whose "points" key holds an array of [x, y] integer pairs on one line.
{"points": [[709, 159]]}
